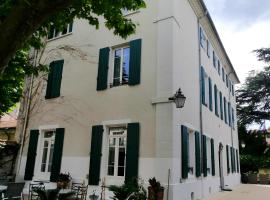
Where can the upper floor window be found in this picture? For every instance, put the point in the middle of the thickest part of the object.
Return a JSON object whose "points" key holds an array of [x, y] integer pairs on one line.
{"points": [[203, 40], [218, 67], [214, 59], [223, 75], [121, 65], [55, 33]]}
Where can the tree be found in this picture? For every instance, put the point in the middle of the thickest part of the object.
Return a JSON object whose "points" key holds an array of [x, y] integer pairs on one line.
{"points": [[253, 98], [25, 23]]}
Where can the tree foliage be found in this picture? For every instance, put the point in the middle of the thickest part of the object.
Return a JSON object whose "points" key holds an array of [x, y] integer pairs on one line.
{"points": [[25, 24], [253, 98]]}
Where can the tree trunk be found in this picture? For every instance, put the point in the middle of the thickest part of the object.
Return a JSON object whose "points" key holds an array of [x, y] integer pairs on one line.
{"points": [[23, 20]]}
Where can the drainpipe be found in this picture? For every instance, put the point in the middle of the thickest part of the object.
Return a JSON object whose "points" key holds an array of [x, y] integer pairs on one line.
{"points": [[200, 99], [25, 122]]}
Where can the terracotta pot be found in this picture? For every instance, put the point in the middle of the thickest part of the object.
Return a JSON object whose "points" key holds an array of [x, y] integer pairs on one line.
{"points": [[152, 195], [62, 184]]}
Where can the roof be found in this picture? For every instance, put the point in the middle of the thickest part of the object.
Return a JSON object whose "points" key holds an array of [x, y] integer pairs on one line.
{"points": [[219, 40], [8, 121]]}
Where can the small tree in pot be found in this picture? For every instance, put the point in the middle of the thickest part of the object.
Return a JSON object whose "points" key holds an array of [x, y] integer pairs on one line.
{"points": [[63, 180], [155, 190]]}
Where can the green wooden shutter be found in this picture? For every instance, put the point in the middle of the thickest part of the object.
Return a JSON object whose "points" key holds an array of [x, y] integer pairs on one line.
{"points": [[221, 105], [31, 155], [132, 155], [216, 100], [95, 154], [185, 152], [135, 62], [210, 94], [54, 79], [237, 161], [49, 81], [198, 154], [202, 86], [228, 161], [103, 66], [204, 148], [57, 78], [232, 167], [57, 154], [213, 157]]}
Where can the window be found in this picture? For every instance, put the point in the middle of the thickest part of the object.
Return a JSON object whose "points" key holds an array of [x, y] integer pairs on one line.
{"points": [[210, 93], [223, 75], [232, 89], [214, 59], [55, 33], [209, 163], [206, 86], [124, 65], [117, 152], [208, 49], [225, 110], [203, 40], [227, 81], [233, 118], [218, 67], [191, 152], [121, 57], [216, 100], [229, 113], [47, 151]]}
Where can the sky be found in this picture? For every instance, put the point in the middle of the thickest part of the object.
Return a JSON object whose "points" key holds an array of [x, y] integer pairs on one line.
{"points": [[243, 26]]}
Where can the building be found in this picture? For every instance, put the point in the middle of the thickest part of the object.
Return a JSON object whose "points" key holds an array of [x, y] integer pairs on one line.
{"points": [[8, 145], [109, 97]]}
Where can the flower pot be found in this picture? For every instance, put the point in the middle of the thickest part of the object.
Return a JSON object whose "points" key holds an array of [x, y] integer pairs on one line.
{"points": [[155, 195], [62, 184]]}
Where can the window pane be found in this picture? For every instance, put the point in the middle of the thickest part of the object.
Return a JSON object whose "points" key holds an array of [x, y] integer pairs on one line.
{"points": [[111, 161], [64, 31], [51, 156], [117, 67], [70, 27], [121, 162], [125, 73], [44, 156]]}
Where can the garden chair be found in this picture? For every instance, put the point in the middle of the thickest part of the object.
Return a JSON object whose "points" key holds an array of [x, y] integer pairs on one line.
{"points": [[14, 191], [264, 179], [80, 191], [33, 195]]}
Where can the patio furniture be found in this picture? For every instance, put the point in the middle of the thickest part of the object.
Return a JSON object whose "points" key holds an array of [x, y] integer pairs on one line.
{"points": [[14, 191], [264, 179], [80, 191], [33, 195], [253, 178]]}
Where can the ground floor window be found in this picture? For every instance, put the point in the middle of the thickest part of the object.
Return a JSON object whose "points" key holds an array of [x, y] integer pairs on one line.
{"points": [[117, 152], [47, 148]]}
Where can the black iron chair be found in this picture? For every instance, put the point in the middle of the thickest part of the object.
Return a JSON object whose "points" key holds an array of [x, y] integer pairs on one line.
{"points": [[32, 188], [80, 191], [14, 191]]}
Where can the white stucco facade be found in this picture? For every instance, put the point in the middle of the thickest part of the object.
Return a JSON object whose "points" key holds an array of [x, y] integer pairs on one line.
{"points": [[171, 58]]}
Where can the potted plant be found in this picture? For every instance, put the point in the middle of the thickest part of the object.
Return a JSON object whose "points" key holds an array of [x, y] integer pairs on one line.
{"points": [[155, 190], [63, 180]]}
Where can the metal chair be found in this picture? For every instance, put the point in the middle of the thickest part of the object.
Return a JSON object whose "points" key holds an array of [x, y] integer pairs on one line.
{"points": [[32, 188], [80, 191], [264, 179], [253, 178], [14, 191]]}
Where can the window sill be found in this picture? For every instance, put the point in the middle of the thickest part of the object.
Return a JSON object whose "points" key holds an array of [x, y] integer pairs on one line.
{"points": [[52, 39]]}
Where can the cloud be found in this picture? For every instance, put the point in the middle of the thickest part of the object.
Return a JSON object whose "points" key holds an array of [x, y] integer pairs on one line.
{"points": [[242, 13]]}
